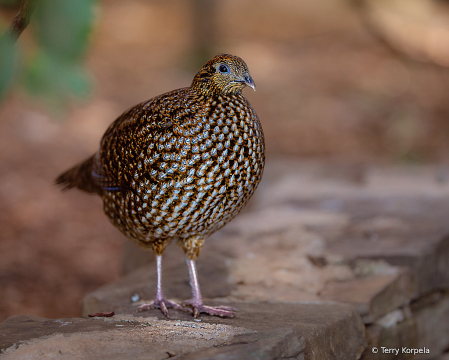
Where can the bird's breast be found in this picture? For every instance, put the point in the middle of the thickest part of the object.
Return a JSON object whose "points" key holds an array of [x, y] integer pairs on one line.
{"points": [[195, 176]]}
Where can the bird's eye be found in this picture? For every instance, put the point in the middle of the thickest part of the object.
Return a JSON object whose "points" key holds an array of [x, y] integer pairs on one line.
{"points": [[223, 68]]}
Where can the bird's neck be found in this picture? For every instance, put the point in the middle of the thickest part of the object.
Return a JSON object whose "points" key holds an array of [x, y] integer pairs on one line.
{"points": [[205, 87]]}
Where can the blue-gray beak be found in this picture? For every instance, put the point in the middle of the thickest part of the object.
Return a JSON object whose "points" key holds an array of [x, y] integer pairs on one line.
{"points": [[249, 82]]}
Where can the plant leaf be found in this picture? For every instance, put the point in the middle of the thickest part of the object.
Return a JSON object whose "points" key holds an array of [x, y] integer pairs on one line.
{"points": [[8, 63]]}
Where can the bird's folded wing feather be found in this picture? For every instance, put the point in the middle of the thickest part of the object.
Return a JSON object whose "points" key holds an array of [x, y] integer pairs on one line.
{"points": [[124, 146]]}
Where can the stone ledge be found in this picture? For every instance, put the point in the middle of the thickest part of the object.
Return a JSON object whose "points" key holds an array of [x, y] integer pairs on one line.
{"points": [[431, 314], [262, 331], [373, 296]]}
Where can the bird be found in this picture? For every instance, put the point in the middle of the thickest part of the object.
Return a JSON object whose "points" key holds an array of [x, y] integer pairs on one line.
{"points": [[178, 167]]}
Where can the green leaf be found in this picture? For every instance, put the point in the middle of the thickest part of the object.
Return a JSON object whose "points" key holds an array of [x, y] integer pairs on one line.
{"points": [[8, 63], [55, 81], [63, 27]]}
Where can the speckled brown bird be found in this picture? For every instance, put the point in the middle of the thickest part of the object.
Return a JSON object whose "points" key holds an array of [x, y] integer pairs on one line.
{"points": [[179, 166]]}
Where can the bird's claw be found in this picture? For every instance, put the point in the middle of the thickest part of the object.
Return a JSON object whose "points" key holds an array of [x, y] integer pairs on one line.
{"points": [[162, 304], [196, 309]]}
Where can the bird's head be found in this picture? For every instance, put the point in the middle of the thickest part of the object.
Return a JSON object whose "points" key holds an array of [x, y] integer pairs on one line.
{"points": [[224, 74]]}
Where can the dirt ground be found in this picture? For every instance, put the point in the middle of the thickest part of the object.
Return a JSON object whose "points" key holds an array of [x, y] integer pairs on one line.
{"points": [[326, 88]]}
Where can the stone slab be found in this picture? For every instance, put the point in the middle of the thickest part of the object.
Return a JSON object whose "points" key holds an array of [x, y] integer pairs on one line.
{"points": [[20, 328], [259, 331], [420, 244], [394, 331], [431, 314], [378, 290], [395, 213], [373, 296]]}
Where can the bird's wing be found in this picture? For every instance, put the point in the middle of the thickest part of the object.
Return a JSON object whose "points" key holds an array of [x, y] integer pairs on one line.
{"points": [[126, 146]]}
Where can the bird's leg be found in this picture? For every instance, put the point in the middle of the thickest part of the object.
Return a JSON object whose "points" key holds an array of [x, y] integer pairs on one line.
{"points": [[195, 305], [192, 247], [160, 302]]}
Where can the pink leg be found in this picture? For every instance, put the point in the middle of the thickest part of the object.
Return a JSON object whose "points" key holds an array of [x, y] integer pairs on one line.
{"points": [[160, 302], [195, 305]]}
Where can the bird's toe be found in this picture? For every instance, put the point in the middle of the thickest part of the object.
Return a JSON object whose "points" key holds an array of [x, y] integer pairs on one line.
{"points": [[162, 304], [197, 309], [222, 311]]}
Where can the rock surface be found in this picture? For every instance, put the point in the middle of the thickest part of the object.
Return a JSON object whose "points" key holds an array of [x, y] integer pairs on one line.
{"points": [[262, 331], [432, 320], [398, 215], [394, 331]]}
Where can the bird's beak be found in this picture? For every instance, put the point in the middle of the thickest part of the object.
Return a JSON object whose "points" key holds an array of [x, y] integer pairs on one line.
{"points": [[248, 81]]}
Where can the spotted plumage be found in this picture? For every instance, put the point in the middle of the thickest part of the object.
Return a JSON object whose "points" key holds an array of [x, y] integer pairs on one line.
{"points": [[179, 166]]}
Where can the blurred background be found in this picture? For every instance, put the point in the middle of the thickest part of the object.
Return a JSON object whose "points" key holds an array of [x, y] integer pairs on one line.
{"points": [[339, 81]]}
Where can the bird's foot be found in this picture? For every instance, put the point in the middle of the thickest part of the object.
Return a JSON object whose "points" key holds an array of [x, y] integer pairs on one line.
{"points": [[196, 308], [161, 304]]}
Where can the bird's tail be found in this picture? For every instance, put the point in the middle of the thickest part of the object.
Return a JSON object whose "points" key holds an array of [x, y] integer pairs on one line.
{"points": [[80, 176]]}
